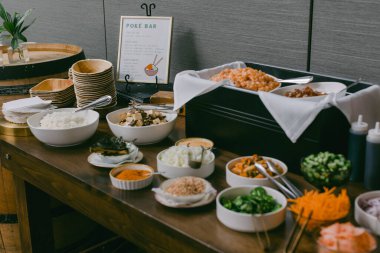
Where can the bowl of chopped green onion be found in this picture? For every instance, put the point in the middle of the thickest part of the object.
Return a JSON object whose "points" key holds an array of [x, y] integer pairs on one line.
{"points": [[326, 169], [250, 208]]}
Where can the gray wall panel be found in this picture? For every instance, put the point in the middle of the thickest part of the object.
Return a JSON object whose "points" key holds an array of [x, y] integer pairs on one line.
{"points": [[66, 21], [209, 33], [346, 39]]}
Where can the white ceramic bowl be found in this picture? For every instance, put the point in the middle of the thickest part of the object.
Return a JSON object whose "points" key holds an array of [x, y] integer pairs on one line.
{"points": [[131, 184], [364, 219], [145, 134], [236, 180], [326, 87], [170, 171], [249, 222], [64, 137]]}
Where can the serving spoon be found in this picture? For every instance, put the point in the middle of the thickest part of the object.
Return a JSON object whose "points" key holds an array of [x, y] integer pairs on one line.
{"points": [[297, 80], [102, 101]]}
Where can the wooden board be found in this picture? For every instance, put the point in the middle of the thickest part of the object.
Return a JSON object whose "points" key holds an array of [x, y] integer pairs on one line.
{"points": [[46, 60], [79, 22]]}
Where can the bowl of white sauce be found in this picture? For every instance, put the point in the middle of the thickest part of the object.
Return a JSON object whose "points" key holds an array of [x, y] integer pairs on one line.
{"points": [[174, 162], [63, 127]]}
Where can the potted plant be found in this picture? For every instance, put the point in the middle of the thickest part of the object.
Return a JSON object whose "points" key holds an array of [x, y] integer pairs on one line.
{"points": [[12, 28]]}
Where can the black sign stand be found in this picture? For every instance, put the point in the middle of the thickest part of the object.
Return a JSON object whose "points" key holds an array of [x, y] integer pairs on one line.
{"points": [[139, 92]]}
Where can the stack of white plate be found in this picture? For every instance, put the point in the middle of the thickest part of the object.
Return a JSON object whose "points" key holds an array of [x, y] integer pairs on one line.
{"points": [[93, 78], [59, 91]]}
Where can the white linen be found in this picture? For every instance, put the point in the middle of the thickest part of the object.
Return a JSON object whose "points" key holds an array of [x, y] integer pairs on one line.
{"points": [[190, 84], [365, 102], [293, 115], [17, 111]]}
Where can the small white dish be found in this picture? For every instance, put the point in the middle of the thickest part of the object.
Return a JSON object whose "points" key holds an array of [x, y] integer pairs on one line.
{"points": [[184, 201], [131, 184], [325, 87], [204, 201], [93, 159], [170, 171]]}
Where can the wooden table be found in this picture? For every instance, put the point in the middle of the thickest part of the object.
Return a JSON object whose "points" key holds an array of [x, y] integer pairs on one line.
{"points": [[65, 174]]}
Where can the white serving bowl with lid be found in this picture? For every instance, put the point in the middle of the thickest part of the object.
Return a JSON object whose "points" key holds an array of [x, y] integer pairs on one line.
{"points": [[237, 180], [172, 171], [244, 222], [143, 135], [67, 136]]}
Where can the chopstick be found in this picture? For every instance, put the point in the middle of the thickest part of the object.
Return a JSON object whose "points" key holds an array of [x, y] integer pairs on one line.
{"points": [[291, 245], [267, 245]]}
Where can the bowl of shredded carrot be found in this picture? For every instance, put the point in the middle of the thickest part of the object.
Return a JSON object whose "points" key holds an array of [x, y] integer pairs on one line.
{"points": [[325, 207], [131, 176]]}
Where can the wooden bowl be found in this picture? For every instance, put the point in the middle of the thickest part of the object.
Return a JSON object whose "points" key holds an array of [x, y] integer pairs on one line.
{"points": [[91, 67], [51, 85]]}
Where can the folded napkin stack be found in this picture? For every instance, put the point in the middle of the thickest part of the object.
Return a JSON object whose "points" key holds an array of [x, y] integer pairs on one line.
{"points": [[18, 111]]}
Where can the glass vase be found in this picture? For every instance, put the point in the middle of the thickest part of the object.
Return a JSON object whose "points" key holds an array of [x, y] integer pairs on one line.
{"points": [[19, 54]]}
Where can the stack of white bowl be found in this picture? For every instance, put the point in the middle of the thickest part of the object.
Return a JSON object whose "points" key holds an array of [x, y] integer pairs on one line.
{"points": [[59, 91], [93, 78]]}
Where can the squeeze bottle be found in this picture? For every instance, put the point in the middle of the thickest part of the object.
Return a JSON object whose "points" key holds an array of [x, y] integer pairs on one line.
{"points": [[372, 159], [356, 148]]}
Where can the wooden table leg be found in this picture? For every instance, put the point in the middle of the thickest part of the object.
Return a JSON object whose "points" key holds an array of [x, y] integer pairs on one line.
{"points": [[33, 211]]}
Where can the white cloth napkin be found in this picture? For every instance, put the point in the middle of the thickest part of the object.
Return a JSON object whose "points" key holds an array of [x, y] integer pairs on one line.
{"points": [[365, 102], [190, 84], [17, 111], [293, 115]]}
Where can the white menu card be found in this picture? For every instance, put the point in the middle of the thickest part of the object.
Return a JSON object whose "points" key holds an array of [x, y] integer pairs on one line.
{"points": [[144, 49]]}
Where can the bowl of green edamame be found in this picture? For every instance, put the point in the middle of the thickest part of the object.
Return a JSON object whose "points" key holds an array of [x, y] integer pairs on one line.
{"points": [[250, 208], [326, 169]]}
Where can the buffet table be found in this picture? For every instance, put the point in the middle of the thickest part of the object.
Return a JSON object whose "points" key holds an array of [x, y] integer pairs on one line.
{"points": [[65, 174]]}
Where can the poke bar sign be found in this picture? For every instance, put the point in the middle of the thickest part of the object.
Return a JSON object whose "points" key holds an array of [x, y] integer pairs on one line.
{"points": [[144, 49]]}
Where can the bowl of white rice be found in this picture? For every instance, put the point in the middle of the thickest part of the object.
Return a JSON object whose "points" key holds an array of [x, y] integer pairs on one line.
{"points": [[63, 127], [174, 162]]}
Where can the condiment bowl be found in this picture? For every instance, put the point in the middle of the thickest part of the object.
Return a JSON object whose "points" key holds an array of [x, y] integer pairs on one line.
{"points": [[364, 219], [325, 87], [170, 171], [64, 137], [208, 189], [131, 184], [237, 180], [143, 135], [195, 142], [244, 222]]}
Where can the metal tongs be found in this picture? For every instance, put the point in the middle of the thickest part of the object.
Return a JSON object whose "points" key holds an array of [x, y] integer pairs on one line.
{"points": [[290, 190]]}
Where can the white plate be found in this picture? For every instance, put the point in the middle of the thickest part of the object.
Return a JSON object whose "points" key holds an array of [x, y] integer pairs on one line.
{"points": [[92, 159], [207, 200]]}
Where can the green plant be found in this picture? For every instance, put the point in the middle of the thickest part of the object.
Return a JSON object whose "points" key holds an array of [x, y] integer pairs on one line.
{"points": [[14, 25]]}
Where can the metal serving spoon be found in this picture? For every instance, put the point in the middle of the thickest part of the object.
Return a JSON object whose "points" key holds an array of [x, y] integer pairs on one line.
{"points": [[194, 163], [102, 101], [297, 80]]}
